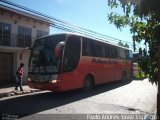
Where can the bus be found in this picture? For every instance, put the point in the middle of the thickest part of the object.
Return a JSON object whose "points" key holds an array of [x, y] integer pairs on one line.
{"points": [[68, 61]]}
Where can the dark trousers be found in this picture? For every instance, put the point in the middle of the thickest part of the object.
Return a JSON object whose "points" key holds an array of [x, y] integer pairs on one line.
{"points": [[19, 83]]}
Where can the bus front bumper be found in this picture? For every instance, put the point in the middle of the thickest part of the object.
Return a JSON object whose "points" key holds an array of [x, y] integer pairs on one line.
{"points": [[44, 86]]}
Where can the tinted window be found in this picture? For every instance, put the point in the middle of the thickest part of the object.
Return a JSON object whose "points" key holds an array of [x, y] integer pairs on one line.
{"points": [[111, 52], [130, 54], [97, 49], [107, 51], [127, 54], [122, 53], [103, 51], [43, 59], [118, 52], [114, 52], [87, 47], [93, 48], [100, 49], [72, 53]]}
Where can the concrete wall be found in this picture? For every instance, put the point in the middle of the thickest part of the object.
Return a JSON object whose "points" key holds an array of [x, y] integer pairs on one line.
{"points": [[16, 20], [25, 60]]}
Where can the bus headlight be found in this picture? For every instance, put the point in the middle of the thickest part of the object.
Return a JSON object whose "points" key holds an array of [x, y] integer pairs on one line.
{"points": [[53, 81], [29, 79]]}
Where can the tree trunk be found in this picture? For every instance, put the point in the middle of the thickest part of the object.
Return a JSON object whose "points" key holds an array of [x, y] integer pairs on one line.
{"points": [[158, 94], [158, 100]]}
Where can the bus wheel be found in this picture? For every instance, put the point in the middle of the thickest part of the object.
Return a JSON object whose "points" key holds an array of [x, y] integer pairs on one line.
{"points": [[88, 83], [124, 76]]}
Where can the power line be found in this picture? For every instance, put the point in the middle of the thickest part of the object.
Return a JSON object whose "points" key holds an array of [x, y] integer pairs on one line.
{"points": [[66, 28], [59, 24]]}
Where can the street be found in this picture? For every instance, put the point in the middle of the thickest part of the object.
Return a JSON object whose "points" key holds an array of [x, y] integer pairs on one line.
{"points": [[135, 97]]}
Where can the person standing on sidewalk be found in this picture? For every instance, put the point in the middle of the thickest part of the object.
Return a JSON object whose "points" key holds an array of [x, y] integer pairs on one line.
{"points": [[19, 75]]}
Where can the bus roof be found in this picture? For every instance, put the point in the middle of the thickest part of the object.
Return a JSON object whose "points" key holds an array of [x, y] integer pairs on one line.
{"points": [[90, 37]]}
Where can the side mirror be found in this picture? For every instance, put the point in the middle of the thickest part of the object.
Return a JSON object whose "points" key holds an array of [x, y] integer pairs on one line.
{"points": [[58, 48]]}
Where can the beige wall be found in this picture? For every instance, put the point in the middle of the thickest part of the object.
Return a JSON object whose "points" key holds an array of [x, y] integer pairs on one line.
{"points": [[25, 60], [15, 21]]}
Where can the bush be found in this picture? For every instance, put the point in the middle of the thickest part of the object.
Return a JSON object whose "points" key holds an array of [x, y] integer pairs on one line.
{"points": [[140, 75]]}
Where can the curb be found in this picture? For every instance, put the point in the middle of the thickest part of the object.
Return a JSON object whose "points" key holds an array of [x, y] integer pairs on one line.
{"points": [[15, 93]]}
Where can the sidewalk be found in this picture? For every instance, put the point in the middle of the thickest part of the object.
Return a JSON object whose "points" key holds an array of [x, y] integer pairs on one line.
{"points": [[9, 91]]}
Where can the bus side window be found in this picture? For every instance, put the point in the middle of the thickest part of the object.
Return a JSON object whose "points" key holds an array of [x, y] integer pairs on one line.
{"points": [[114, 52], [97, 49], [118, 53], [127, 54], [103, 51], [107, 51], [110, 52], [72, 53], [87, 47], [130, 54], [122, 53]]}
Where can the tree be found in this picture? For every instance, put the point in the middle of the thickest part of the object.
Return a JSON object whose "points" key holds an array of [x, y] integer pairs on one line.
{"points": [[143, 18], [126, 45], [120, 43], [123, 45]]}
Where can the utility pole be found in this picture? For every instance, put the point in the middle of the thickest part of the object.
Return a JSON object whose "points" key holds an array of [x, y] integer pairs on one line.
{"points": [[158, 94], [134, 44], [134, 38]]}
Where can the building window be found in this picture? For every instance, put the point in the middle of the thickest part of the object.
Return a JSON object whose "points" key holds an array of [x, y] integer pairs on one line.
{"points": [[24, 36], [41, 33], [5, 34]]}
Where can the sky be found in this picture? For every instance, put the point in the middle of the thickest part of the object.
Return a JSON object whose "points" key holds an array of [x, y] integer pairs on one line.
{"points": [[88, 14]]}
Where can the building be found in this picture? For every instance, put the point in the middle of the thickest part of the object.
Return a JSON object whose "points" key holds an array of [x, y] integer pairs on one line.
{"points": [[18, 30]]}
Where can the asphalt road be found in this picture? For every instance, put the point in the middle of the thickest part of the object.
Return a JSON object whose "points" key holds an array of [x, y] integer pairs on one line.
{"points": [[135, 97]]}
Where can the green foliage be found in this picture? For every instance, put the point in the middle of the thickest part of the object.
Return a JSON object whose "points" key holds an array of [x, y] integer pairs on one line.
{"points": [[120, 43], [123, 45], [141, 75], [142, 16], [126, 45]]}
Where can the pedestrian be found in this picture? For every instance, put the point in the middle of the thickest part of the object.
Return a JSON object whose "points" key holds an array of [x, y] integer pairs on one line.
{"points": [[19, 76]]}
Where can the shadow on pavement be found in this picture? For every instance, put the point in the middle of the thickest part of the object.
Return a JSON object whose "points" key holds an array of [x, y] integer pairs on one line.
{"points": [[31, 104]]}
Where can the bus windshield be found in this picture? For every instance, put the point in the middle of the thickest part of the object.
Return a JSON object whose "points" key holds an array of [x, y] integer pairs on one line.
{"points": [[44, 58]]}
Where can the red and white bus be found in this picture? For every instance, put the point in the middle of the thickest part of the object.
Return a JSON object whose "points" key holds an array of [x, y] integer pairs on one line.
{"points": [[69, 61]]}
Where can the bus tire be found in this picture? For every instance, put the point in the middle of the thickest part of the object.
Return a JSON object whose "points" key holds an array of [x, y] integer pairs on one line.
{"points": [[124, 76], [88, 83]]}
